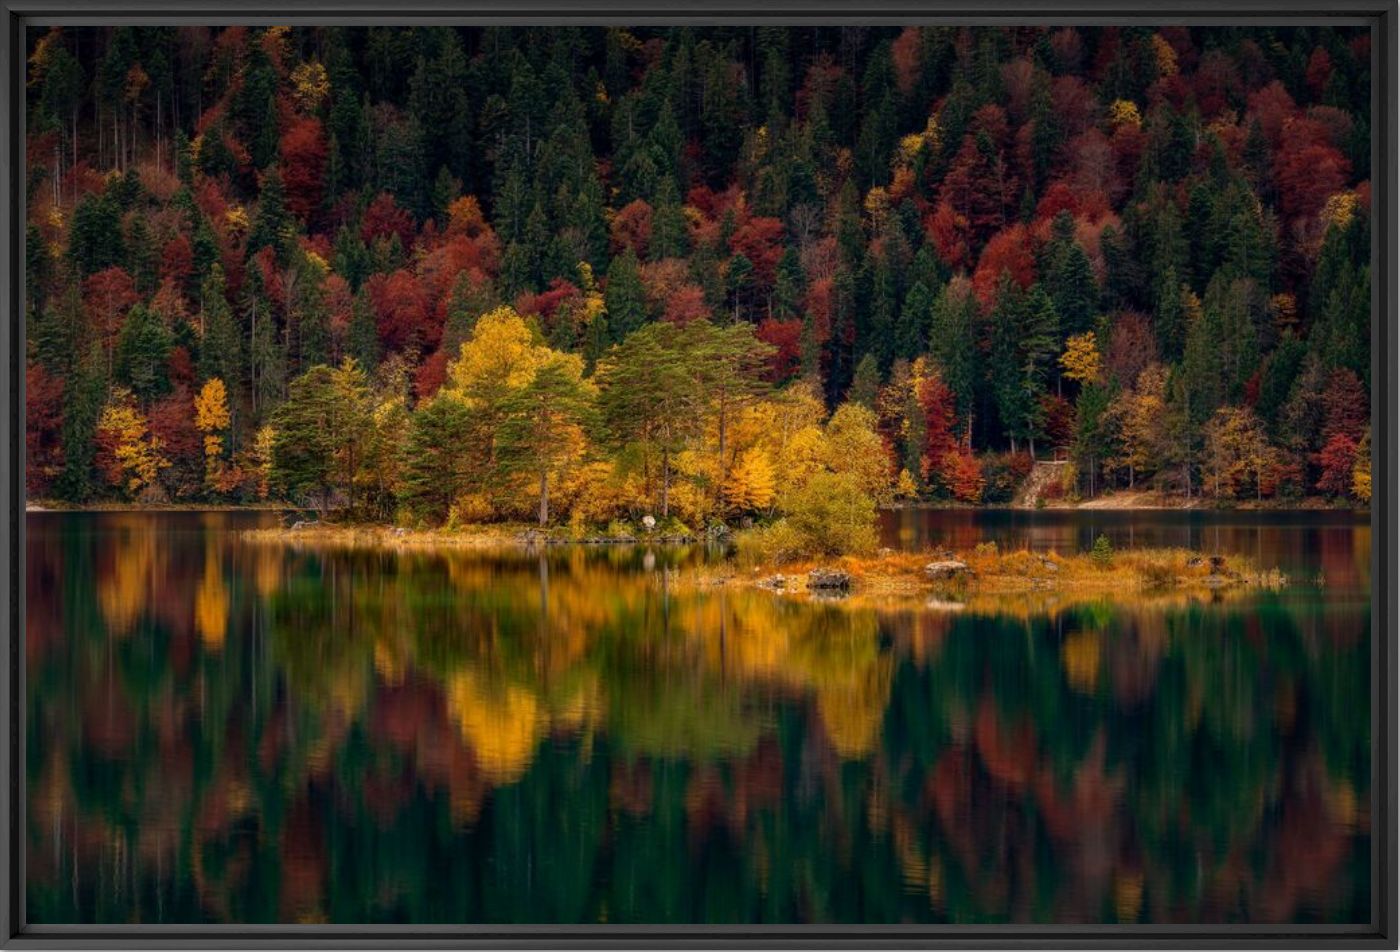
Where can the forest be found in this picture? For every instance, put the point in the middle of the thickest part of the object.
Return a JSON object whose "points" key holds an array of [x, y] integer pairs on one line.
{"points": [[582, 276]]}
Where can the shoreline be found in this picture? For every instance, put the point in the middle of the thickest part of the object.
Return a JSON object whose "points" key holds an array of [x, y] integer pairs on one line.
{"points": [[952, 579], [1123, 502], [956, 579]]}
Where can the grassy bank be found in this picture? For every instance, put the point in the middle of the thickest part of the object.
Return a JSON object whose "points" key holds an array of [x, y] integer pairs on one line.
{"points": [[957, 578]]}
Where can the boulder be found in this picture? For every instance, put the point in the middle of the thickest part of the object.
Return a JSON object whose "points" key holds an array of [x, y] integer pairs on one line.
{"points": [[828, 580], [946, 569]]}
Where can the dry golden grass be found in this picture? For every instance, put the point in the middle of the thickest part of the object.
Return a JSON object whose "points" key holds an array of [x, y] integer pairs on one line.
{"points": [[1041, 577], [368, 536]]}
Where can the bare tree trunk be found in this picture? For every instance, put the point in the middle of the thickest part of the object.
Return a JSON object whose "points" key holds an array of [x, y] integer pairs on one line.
{"points": [[544, 497], [666, 483]]}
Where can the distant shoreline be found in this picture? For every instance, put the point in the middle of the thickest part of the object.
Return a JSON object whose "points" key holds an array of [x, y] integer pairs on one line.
{"points": [[1116, 502]]}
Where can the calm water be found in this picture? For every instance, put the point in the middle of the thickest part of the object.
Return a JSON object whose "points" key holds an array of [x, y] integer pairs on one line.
{"points": [[223, 732]]}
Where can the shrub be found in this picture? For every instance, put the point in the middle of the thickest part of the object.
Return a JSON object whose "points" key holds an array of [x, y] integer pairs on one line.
{"points": [[830, 515], [834, 515], [772, 544]]}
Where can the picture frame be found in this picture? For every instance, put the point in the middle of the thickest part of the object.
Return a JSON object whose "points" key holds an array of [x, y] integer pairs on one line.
{"points": [[1382, 18]]}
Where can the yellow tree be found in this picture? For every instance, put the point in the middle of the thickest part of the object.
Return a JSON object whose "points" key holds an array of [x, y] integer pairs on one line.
{"points": [[124, 429], [853, 446], [751, 485], [211, 417], [1142, 422], [1361, 469], [1238, 452], [500, 359], [259, 458], [1081, 360]]}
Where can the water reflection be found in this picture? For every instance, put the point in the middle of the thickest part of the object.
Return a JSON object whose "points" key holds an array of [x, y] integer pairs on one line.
{"points": [[223, 732]]}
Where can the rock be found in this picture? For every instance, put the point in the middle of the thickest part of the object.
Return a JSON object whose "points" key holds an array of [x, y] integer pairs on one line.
{"points": [[648, 523], [946, 569], [1048, 565], [775, 582], [828, 580], [885, 552], [1194, 562], [400, 531]]}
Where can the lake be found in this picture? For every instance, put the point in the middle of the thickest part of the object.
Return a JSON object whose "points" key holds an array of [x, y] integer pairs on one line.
{"points": [[223, 731]]}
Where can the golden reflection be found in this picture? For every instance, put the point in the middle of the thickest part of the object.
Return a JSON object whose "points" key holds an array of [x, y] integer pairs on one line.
{"points": [[124, 589], [211, 602], [1081, 655], [501, 724]]}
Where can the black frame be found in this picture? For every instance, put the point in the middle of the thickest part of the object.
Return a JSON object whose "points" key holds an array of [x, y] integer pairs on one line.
{"points": [[1383, 17]]}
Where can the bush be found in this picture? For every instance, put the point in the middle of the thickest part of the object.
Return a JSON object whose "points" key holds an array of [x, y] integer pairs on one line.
{"points": [[772, 544], [834, 515], [829, 515]]}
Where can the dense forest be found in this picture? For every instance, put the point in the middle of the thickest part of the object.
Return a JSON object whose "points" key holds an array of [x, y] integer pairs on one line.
{"points": [[708, 273]]}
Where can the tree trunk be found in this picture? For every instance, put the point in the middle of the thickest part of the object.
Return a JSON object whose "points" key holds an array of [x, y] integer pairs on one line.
{"points": [[665, 483], [544, 497]]}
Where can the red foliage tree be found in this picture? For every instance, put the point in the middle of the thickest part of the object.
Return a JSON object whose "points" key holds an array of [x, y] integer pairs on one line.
{"points": [[686, 305], [631, 228], [978, 186], [1305, 176], [1335, 462], [948, 232], [107, 296], [1131, 347], [431, 375], [907, 54], [1008, 251], [1272, 106], [1217, 83], [1346, 408], [962, 474], [172, 423], [401, 311], [43, 425], [786, 338], [384, 218], [181, 366], [303, 149], [1319, 72], [761, 241], [177, 261], [939, 409]]}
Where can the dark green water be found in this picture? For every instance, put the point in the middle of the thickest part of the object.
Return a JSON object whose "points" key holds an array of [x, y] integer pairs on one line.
{"points": [[222, 732]]}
